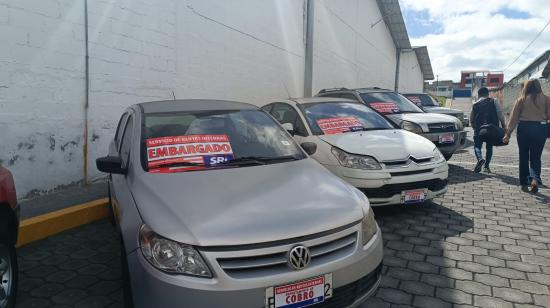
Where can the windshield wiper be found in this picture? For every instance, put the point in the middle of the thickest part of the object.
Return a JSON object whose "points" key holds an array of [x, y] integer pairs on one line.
{"points": [[257, 160]]}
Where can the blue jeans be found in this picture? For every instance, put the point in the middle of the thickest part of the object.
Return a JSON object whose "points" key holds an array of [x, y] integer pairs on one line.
{"points": [[477, 149], [531, 139]]}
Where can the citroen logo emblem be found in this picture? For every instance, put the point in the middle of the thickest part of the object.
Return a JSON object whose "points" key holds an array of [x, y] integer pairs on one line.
{"points": [[299, 257]]}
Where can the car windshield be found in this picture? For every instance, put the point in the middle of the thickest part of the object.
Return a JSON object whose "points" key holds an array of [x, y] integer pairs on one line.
{"points": [[340, 117], [422, 100], [389, 103], [199, 140]]}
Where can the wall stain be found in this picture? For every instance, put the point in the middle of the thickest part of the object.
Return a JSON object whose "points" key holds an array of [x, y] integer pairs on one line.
{"points": [[26, 145], [32, 158], [52, 143], [95, 137], [12, 160], [64, 146]]}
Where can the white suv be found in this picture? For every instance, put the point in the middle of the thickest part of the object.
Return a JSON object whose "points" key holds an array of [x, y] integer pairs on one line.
{"points": [[391, 166]]}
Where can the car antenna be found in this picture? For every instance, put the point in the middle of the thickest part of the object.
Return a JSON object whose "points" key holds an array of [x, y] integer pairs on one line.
{"points": [[287, 92], [173, 95]]}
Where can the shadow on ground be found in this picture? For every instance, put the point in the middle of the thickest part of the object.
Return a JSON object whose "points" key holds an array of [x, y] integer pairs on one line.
{"points": [[420, 255]]}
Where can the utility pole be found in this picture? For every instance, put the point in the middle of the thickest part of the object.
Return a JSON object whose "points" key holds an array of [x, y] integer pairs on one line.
{"points": [[437, 85]]}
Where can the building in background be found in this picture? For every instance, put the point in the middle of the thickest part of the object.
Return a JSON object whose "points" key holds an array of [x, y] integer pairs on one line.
{"points": [[539, 68], [58, 111], [442, 88], [478, 79]]}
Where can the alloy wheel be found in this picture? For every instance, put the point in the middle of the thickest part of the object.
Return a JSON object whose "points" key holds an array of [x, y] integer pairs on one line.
{"points": [[6, 275]]}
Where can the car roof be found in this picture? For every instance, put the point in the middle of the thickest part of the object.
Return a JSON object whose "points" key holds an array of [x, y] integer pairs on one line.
{"points": [[193, 105], [308, 100], [360, 90]]}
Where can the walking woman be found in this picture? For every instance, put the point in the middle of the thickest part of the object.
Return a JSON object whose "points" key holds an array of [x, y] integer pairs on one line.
{"points": [[530, 114]]}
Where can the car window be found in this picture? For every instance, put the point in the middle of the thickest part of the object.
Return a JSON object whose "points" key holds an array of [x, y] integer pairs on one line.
{"points": [[267, 108], [119, 128], [126, 141], [389, 103], [284, 113], [200, 140], [342, 117], [422, 100]]}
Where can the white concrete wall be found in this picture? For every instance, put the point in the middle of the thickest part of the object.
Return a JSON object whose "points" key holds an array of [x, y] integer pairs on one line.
{"points": [[348, 51], [410, 74], [142, 51], [42, 92], [246, 50]]}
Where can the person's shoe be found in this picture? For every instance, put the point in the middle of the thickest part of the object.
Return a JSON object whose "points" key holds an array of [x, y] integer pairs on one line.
{"points": [[524, 188], [534, 186], [478, 166], [487, 170]]}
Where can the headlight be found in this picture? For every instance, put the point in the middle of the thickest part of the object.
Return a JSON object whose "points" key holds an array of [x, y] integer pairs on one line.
{"points": [[368, 226], [170, 256], [412, 127], [437, 155], [355, 161]]}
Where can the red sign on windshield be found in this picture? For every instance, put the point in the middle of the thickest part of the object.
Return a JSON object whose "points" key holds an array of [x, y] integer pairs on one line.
{"points": [[384, 107], [202, 150], [339, 125]]}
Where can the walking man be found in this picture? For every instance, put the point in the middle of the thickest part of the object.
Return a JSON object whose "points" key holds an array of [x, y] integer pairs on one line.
{"points": [[484, 111]]}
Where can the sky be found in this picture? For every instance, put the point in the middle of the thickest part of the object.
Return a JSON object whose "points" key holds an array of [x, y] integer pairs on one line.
{"points": [[474, 34]]}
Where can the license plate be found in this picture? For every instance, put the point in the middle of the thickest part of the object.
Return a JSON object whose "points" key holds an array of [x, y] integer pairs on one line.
{"points": [[303, 293], [447, 138], [414, 196]]}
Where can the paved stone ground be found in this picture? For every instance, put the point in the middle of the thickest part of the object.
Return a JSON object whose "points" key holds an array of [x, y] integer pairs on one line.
{"points": [[485, 244]]}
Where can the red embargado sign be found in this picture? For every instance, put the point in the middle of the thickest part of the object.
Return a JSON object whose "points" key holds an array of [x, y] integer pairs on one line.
{"points": [[204, 150], [384, 107], [415, 99], [338, 125]]}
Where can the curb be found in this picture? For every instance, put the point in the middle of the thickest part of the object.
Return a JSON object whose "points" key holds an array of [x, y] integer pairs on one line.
{"points": [[40, 227]]}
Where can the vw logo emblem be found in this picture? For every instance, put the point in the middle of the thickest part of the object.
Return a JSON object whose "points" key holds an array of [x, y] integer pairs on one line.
{"points": [[299, 257]]}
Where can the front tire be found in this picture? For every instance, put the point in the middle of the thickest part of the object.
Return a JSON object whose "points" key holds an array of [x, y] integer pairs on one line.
{"points": [[8, 275]]}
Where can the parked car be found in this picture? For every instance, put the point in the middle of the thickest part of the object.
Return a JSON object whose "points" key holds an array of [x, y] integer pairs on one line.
{"points": [[219, 207], [430, 105], [391, 166], [446, 132], [9, 226]]}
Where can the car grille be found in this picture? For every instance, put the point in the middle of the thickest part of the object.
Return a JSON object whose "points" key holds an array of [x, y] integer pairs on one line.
{"points": [[399, 163], [276, 263], [390, 190], [411, 172], [346, 295], [442, 127]]}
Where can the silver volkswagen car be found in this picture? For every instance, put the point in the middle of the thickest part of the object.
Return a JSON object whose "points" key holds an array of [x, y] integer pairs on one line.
{"points": [[217, 206]]}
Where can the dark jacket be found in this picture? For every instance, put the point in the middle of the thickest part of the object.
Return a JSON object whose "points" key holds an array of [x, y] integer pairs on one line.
{"points": [[484, 112]]}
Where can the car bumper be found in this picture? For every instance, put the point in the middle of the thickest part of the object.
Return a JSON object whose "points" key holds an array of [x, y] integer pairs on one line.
{"points": [[373, 182], [448, 149], [354, 278]]}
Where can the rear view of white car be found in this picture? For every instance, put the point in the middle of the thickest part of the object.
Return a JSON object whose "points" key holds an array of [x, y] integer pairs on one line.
{"points": [[391, 166]]}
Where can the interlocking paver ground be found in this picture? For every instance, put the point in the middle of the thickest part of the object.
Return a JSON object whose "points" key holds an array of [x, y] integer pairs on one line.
{"points": [[484, 244]]}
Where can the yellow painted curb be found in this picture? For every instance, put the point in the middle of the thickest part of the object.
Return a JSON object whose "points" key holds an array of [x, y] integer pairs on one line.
{"points": [[40, 227]]}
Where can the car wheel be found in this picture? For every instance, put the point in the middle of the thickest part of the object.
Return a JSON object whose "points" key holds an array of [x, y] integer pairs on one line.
{"points": [[126, 286], [447, 156], [8, 275]]}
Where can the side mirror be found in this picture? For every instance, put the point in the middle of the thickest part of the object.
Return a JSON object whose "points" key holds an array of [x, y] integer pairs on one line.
{"points": [[289, 128], [309, 147], [110, 164]]}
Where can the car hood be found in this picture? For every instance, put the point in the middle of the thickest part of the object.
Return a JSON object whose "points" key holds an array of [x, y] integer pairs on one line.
{"points": [[443, 110], [247, 205], [383, 145], [421, 118]]}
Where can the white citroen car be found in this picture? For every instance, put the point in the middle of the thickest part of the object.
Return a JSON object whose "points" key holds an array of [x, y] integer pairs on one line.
{"points": [[390, 165]]}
